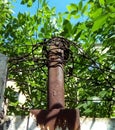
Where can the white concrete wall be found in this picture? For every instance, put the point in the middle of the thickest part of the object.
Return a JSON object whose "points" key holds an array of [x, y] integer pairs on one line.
{"points": [[97, 124], [29, 123]]}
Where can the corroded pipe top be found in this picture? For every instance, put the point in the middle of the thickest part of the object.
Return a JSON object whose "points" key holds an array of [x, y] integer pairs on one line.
{"points": [[57, 47]]}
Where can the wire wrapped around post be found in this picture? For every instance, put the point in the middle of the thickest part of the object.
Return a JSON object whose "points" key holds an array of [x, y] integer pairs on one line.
{"points": [[56, 116], [56, 73]]}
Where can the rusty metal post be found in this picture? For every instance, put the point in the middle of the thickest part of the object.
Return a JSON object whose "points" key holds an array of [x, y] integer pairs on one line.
{"points": [[56, 74], [56, 117]]}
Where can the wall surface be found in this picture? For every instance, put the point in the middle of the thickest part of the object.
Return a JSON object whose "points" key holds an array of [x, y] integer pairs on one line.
{"points": [[3, 71], [29, 123]]}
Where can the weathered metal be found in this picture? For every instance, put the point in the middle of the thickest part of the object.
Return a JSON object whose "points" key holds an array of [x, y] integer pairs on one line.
{"points": [[56, 74], [56, 116]]}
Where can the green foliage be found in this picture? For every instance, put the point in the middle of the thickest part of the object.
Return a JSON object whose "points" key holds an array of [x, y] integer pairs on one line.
{"points": [[5, 12], [28, 2], [89, 70]]}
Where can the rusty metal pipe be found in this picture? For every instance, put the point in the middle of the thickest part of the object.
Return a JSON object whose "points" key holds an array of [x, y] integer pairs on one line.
{"points": [[55, 117], [56, 75]]}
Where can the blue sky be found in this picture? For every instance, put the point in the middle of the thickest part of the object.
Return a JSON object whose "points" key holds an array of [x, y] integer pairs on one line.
{"points": [[59, 4]]}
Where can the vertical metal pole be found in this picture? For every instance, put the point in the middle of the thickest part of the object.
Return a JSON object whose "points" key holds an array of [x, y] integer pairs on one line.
{"points": [[56, 75], [55, 117]]}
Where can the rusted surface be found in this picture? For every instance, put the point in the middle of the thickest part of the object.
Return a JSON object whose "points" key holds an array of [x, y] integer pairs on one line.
{"points": [[57, 118], [56, 75]]}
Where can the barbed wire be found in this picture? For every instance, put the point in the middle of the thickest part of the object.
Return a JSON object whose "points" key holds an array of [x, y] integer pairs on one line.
{"points": [[40, 61]]}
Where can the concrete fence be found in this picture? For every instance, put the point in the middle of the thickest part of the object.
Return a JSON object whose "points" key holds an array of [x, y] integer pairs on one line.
{"points": [[29, 123]]}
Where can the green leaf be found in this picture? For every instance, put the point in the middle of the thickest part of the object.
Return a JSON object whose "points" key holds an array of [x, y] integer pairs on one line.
{"points": [[112, 15], [78, 35], [110, 1], [102, 94], [30, 2], [85, 8], [80, 5], [23, 1], [44, 3], [76, 16], [67, 25], [112, 9], [102, 2], [72, 7], [67, 28], [88, 110], [74, 12], [99, 22], [97, 13]]}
